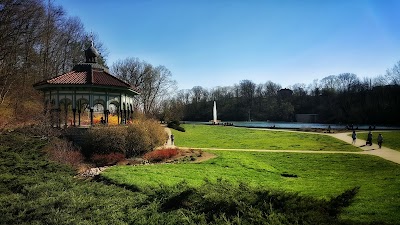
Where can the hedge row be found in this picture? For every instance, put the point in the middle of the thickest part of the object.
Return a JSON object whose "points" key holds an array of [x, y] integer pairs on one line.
{"points": [[175, 125]]}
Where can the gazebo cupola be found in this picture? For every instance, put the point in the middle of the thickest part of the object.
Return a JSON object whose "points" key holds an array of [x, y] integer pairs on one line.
{"points": [[89, 84], [91, 54]]}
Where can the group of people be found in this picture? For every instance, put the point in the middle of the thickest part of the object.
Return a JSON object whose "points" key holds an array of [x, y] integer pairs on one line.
{"points": [[369, 138]]}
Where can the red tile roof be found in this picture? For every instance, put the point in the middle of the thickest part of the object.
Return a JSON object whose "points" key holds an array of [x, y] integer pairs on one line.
{"points": [[72, 77], [102, 78], [87, 74], [96, 77]]}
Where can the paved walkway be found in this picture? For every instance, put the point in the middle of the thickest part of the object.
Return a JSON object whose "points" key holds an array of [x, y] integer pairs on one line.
{"points": [[384, 152], [169, 142]]}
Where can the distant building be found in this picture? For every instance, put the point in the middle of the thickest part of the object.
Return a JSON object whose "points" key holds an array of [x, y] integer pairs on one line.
{"points": [[307, 118], [285, 92]]}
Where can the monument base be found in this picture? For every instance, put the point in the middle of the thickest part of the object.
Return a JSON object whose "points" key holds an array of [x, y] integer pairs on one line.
{"points": [[215, 122]]}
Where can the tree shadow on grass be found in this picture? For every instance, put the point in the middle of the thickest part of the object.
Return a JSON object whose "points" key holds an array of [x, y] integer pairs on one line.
{"points": [[224, 201], [106, 181]]}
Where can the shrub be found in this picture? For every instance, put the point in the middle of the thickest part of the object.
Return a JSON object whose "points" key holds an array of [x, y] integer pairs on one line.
{"points": [[105, 140], [138, 138], [143, 136], [175, 125], [107, 159], [62, 151], [135, 139], [160, 155]]}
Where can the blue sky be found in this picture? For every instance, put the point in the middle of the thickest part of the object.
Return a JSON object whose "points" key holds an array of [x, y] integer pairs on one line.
{"points": [[219, 43]]}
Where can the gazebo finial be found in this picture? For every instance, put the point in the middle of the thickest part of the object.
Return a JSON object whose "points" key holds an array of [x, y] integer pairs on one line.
{"points": [[91, 39]]}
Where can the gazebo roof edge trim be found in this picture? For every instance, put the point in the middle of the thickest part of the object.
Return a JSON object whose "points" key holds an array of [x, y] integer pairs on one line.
{"points": [[92, 86]]}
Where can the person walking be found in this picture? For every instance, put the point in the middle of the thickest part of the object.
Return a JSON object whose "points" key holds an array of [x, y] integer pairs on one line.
{"points": [[380, 140], [354, 136], [172, 139], [369, 139]]}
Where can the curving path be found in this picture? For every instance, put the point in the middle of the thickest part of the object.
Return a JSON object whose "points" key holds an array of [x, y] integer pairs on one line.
{"points": [[384, 152], [168, 144]]}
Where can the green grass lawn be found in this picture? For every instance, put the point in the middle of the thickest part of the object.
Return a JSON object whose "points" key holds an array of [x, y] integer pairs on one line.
{"points": [[391, 139], [204, 136], [34, 190], [318, 175]]}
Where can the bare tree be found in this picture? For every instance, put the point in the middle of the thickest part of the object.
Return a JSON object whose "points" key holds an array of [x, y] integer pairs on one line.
{"points": [[299, 89], [314, 88], [380, 81], [155, 88], [154, 83], [247, 89], [18, 27], [329, 83], [247, 93], [393, 74], [198, 94], [346, 81], [183, 96], [172, 109], [271, 88]]}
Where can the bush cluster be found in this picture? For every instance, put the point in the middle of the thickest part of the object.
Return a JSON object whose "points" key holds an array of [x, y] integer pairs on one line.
{"points": [[107, 159], [133, 140], [105, 140], [144, 136], [175, 125], [161, 154]]}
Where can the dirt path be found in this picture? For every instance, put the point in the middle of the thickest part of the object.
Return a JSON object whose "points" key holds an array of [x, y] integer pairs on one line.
{"points": [[384, 152], [169, 142]]}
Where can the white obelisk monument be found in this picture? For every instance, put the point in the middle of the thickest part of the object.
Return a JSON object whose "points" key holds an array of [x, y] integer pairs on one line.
{"points": [[215, 113]]}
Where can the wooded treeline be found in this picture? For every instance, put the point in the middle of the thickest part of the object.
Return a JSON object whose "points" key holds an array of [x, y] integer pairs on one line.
{"points": [[342, 98], [37, 41]]}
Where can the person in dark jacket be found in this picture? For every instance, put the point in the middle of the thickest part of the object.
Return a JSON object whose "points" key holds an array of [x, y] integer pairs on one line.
{"points": [[369, 139], [354, 137], [172, 139], [380, 140]]}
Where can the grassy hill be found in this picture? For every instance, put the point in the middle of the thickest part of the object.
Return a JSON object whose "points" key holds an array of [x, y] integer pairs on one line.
{"points": [[34, 190]]}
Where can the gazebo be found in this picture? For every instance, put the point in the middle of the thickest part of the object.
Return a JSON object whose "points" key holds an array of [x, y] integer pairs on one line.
{"points": [[88, 87]]}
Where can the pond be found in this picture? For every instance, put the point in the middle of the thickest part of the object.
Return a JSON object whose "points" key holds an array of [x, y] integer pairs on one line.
{"points": [[297, 125]]}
